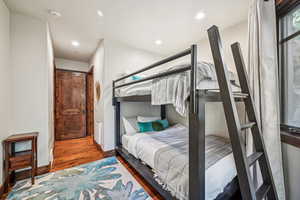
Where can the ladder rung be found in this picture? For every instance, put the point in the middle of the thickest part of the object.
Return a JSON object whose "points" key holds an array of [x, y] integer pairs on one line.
{"points": [[262, 191], [254, 157], [249, 125], [240, 95]]}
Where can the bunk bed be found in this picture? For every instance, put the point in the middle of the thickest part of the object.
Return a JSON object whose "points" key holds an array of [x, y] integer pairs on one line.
{"points": [[197, 100], [196, 116]]}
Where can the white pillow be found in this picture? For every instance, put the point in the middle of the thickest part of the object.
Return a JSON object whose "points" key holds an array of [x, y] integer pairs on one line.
{"points": [[130, 125], [147, 119]]}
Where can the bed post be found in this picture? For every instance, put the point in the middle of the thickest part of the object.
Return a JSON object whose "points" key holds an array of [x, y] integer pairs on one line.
{"points": [[163, 113], [116, 105], [118, 124], [201, 141], [196, 137], [113, 93]]}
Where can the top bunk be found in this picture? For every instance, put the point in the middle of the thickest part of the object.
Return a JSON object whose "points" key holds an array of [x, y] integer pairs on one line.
{"points": [[206, 89], [205, 95]]}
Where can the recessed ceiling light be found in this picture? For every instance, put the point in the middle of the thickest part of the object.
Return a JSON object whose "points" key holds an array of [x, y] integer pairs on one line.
{"points": [[75, 43], [100, 13], [54, 13], [158, 42], [200, 15]]}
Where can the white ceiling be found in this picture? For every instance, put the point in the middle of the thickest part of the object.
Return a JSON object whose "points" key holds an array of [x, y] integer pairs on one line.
{"points": [[137, 23]]}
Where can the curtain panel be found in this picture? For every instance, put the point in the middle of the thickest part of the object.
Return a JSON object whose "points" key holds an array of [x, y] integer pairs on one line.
{"points": [[263, 76]]}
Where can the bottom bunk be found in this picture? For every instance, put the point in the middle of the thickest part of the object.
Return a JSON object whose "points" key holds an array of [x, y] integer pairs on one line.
{"points": [[162, 159]]}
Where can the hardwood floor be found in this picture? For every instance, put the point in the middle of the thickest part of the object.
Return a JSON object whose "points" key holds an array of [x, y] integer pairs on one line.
{"points": [[70, 153]]}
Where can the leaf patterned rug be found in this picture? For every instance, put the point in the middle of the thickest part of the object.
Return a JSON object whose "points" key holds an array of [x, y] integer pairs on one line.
{"points": [[105, 179]]}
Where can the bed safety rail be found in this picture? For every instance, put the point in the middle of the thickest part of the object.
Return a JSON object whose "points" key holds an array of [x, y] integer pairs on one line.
{"points": [[160, 75], [191, 51], [157, 64]]}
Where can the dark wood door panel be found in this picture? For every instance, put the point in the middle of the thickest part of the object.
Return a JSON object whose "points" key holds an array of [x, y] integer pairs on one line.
{"points": [[70, 105]]}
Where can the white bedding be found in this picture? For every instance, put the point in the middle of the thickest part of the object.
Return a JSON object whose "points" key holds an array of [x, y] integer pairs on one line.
{"points": [[217, 176], [144, 88], [125, 140], [175, 89], [151, 146]]}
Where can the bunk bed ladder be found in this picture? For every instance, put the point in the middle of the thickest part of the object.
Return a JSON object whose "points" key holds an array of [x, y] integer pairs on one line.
{"points": [[243, 163]]}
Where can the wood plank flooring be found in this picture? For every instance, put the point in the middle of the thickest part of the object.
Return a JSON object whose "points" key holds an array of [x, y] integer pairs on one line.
{"points": [[70, 153]]}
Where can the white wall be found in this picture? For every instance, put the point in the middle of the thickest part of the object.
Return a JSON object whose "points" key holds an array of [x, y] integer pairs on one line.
{"points": [[118, 59], [30, 80], [5, 79], [215, 118], [62, 63], [230, 35], [115, 58], [98, 62]]}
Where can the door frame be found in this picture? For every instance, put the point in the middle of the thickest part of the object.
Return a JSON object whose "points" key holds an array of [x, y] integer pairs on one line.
{"points": [[55, 93], [90, 115]]}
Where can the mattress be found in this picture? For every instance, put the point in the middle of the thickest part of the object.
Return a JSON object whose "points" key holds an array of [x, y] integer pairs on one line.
{"points": [[218, 175], [144, 88], [125, 140]]}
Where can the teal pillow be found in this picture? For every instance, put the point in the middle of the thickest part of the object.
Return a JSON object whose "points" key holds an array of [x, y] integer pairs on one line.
{"points": [[158, 125], [135, 77], [145, 126], [164, 123]]}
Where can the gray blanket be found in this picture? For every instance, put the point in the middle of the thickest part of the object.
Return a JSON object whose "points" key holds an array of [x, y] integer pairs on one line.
{"points": [[172, 164], [175, 90]]}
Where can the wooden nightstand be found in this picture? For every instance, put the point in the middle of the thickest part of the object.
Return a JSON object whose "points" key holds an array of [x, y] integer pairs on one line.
{"points": [[19, 160]]}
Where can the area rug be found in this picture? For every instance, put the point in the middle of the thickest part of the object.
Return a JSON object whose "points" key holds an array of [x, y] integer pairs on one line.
{"points": [[105, 179]]}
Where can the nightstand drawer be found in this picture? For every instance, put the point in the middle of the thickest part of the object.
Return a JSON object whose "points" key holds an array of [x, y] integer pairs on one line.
{"points": [[20, 161]]}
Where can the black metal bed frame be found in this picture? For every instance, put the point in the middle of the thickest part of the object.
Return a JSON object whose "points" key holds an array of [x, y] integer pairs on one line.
{"points": [[197, 101]]}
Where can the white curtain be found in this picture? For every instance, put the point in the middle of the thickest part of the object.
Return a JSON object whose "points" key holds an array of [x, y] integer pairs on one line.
{"points": [[263, 75]]}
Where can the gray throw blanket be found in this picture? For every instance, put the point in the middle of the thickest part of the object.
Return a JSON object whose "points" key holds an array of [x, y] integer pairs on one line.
{"points": [[174, 89], [172, 164]]}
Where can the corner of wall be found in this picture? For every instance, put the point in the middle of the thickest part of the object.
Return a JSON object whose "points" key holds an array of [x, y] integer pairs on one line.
{"points": [[5, 79], [30, 80], [97, 61]]}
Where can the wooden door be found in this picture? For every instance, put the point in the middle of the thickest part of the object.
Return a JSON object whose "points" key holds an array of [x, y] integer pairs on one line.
{"points": [[70, 105], [90, 103]]}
